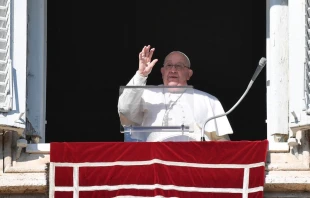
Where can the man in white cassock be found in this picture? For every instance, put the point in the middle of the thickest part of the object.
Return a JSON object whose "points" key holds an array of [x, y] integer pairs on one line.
{"points": [[171, 107]]}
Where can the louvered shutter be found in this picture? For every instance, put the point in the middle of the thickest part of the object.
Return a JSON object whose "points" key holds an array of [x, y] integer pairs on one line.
{"points": [[5, 62]]}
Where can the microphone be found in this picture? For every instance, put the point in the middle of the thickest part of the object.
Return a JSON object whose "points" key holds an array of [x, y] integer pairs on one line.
{"points": [[261, 65]]}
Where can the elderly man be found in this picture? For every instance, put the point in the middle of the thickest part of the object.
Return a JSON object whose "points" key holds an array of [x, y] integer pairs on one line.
{"points": [[176, 71]]}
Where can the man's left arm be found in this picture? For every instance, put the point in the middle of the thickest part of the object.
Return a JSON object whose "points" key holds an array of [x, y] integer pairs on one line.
{"points": [[213, 137]]}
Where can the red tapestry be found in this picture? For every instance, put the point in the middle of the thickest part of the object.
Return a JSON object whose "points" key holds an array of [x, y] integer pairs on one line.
{"points": [[157, 169]]}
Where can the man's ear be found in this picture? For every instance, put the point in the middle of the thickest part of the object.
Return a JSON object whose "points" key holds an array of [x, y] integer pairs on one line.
{"points": [[190, 73], [162, 70]]}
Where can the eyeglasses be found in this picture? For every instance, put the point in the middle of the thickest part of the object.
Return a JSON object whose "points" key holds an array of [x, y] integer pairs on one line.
{"points": [[177, 67]]}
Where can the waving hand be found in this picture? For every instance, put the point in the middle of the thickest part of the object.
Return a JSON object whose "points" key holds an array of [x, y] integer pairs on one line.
{"points": [[146, 63]]}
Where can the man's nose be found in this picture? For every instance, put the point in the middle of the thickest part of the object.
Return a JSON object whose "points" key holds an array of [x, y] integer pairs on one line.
{"points": [[174, 68]]}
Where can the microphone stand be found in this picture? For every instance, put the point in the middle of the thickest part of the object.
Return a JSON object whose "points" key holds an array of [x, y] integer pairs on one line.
{"points": [[261, 65]]}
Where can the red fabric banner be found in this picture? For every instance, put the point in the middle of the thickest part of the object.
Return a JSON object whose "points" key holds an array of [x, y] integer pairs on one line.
{"points": [[157, 169]]}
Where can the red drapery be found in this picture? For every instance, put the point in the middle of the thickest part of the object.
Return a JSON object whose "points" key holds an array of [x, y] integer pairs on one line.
{"points": [[157, 169]]}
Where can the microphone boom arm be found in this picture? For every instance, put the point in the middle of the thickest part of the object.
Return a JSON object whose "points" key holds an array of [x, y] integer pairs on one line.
{"points": [[261, 65], [244, 94]]}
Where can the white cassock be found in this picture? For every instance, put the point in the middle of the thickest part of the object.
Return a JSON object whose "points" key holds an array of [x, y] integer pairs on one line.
{"points": [[146, 107]]}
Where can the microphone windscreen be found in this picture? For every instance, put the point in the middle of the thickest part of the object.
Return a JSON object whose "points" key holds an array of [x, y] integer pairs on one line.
{"points": [[262, 61]]}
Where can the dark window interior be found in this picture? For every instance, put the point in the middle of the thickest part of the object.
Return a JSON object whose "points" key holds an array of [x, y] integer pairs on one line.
{"points": [[92, 49]]}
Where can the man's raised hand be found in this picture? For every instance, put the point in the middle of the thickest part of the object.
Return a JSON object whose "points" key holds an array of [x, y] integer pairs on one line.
{"points": [[145, 60]]}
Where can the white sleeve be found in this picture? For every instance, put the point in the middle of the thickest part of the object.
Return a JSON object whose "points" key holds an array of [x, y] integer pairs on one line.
{"points": [[137, 80], [207, 106], [221, 124], [130, 101]]}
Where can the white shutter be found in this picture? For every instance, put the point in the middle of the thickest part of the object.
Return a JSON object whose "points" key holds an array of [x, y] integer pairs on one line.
{"points": [[5, 62], [307, 65], [299, 68]]}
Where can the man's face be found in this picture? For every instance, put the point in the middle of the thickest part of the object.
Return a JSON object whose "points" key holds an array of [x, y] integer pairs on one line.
{"points": [[176, 71]]}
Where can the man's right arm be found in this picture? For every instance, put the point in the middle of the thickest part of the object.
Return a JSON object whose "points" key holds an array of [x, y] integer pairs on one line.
{"points": [[130, 101]]}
